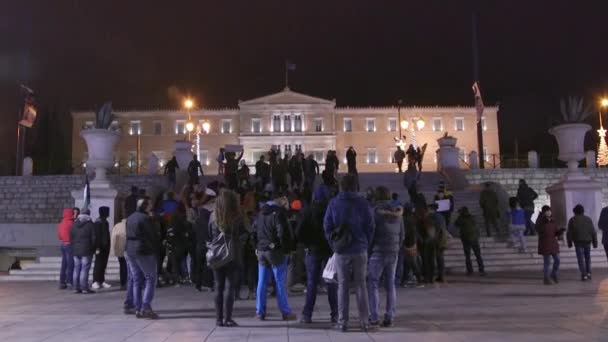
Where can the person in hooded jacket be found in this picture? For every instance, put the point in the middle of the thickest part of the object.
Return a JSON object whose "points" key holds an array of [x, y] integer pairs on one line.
{"points": [[582, 234], [385, 246], [310, 234], [102, 252], [272, 237], [602, 224], [202, 275], [67, 259], [548, 246], [83, 240]]}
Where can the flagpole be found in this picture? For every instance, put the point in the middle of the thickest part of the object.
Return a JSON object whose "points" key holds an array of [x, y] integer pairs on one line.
{"points": [[286, 74], [17, 152], [476, 79]]}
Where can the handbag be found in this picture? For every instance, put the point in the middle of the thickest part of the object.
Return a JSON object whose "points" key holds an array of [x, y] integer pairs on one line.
{"points": [[330, 272], [220, 251]]}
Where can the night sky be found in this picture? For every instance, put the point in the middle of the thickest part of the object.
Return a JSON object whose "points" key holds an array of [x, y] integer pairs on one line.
{"points": [[78, 54]]}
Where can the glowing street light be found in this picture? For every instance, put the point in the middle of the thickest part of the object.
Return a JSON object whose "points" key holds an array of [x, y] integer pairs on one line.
{"points": [[420, 124], [206, 126], [604, 102], [405, 124], [190, 126], [188, 103]]}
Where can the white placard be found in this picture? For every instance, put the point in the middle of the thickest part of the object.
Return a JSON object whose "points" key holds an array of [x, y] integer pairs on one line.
{"points": [[443, 205]]}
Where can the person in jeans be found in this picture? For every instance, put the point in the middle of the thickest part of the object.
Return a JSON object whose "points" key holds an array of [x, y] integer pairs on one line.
{"points": [[67, 259], [548, 247], [517, 224], [118, 238], [526, 196], [582, 234], [142, 245], [602, 224], [350, 213], [318, 252], [386, 244], [226, 219], [441, 240], [82, 238], [271, 238], [102, 251], [410, 274], [469, 236], [488, 201]]}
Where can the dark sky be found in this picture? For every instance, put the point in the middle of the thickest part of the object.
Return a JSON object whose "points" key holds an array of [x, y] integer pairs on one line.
{"points": [[77, 54]]}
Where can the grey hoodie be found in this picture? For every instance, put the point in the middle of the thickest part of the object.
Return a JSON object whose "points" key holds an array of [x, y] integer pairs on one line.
{"points": [[390, 230]]}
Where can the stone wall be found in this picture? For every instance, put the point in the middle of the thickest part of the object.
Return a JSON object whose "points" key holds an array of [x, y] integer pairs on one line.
{"points": [[40, 199], [537, 179]]}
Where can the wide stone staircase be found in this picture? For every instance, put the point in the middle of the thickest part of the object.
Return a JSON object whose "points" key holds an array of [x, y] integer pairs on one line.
{"points": [[497, 254]]}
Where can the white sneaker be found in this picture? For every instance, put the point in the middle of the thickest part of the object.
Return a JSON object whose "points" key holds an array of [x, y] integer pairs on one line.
{"points": [[106, 285], [95, 286]]}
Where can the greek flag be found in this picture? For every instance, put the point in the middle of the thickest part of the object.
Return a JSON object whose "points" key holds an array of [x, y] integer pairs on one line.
{"points": [[87, 193]]}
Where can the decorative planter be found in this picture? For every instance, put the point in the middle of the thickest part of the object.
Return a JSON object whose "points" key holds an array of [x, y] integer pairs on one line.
{"points": [[100, 147], [447, 154], [571, 142], [447, 141]]}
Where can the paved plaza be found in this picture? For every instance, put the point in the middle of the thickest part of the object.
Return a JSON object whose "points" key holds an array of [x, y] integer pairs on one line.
{"points": [[501, 307]]}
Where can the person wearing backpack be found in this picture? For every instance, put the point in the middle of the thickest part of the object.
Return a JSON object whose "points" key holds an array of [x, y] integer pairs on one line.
{"points": [[226, 219], [273, 241], [349, 226], [310, 234]]}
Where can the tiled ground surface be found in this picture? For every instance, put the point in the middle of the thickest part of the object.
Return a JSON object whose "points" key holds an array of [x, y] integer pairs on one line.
{"points": [[501, 307]]}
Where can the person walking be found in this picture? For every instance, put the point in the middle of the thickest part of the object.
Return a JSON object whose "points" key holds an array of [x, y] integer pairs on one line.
{"points": [[226, 219], [602, 224], [488, 201], [67, 259], [102, 251], [526, 196], [82, 239], [273, 240], [517, 224], [170, 171], [582, 234], [349, 225], [118, 243], [548, 246], [469, 236], [351, 160], [385, 246], [399, 156], [193, 168], [141, 249], [310, 233]]}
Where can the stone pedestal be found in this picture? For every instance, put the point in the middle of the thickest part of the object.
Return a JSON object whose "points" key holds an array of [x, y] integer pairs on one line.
{"points": [[590, 159], [28, 166], [532, 160], [473, 160], [575, 188], [100, 197], [447, 154]]}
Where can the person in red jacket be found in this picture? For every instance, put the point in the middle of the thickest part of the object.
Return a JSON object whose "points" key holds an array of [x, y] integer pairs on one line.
{"points": [[67, 260]]}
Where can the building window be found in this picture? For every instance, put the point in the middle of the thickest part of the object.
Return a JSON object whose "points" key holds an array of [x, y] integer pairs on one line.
{"points": [[483, 123], [392, 124], [459, 124], [297, 123], [132, 162], [287, 123], [204, 158], [486, 156], [256, 126], [370, 124], [180, 127], [226, 126], [348, 125], [319, 156], [276, 123], [158, 128], [462, 155], [372, 156], [437, 125], [135, 127], [318, 123]]}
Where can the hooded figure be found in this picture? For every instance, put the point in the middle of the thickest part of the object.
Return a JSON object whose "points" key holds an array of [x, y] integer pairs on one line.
{"points": [[82, 238], [67, 259]]}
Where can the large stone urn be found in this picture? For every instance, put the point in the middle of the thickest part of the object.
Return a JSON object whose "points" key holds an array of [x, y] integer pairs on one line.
{"points": [[447, 154], [574, 186], [100, 147]]}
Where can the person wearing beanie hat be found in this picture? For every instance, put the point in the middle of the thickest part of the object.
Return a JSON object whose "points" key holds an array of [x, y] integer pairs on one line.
{"points": [[82, 238], [102, 249], [582, 234]]}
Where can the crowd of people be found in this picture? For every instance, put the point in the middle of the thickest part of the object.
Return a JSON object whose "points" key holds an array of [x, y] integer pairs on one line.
{"points": [[273, 235]]}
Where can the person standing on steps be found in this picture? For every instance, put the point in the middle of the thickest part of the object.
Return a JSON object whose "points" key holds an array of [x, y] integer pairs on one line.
{"points": [[171, 170], [262, 172], [441, 240], [349, 225], [351, 160], [582, 234], [399, 156], [469, 237], [488, 201], [82, 238], [525, 197], [102, 252], [517, 226], [193, 168], [548, 246], [220, 162], [602, 224]]}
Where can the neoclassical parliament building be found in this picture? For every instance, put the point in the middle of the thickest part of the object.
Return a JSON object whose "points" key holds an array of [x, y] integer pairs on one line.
{"points": [[292, 121]]}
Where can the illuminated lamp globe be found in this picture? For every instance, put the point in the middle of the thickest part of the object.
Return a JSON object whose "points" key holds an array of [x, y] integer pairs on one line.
{"points": [[190, 126], [604, 102], [206, 126], [188, 103], [420, 124], [404, 124]]}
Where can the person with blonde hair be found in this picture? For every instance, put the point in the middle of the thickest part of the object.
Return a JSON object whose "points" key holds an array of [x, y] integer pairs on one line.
{"points": [[226, 219]]}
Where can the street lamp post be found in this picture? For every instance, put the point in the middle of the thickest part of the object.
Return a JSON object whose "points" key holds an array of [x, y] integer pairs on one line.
{"points": [[602, 151], [189, 104], [413, 124]]}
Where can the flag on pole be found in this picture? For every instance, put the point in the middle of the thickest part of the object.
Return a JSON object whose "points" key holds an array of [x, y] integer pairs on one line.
{"points": [[478, 101], [87, 193], [29, 114]]}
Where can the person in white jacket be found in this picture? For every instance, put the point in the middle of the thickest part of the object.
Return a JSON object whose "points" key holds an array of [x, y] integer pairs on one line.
{"points": [[118, 239]]}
